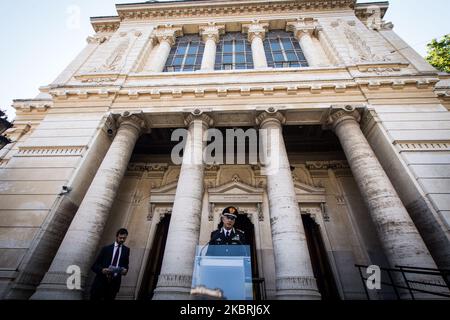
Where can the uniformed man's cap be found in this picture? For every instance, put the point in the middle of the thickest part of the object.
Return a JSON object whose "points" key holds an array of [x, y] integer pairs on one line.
{"points": [[230, 212]]}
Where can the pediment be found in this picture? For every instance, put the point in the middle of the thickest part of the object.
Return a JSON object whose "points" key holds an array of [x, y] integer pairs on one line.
{"points": [[170, 188], [235, 187], [302, 188], [235, 192]]}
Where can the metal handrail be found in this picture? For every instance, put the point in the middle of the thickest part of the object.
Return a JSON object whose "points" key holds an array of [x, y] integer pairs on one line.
{"points": [[404, 271], [262, 286]]}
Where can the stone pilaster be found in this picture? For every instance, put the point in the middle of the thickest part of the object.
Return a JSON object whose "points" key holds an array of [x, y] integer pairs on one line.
{"points": [[166, 37], [294, 274], [256, 33], [399, 237], [81, 240], [175, 279], [210, 35]]}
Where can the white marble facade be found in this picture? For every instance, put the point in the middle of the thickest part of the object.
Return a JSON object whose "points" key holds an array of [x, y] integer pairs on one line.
{"points": [[70, 178]]}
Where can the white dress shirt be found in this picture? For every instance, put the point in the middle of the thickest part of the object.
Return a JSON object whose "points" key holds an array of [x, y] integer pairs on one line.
{"points": [[116, 246]]}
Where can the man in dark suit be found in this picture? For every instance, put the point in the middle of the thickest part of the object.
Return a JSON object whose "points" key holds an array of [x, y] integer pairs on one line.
{"points": [[110, 266], [227, 235]]}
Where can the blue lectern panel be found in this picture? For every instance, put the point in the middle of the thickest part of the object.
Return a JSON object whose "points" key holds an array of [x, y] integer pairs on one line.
{"points": [[223, 272]]}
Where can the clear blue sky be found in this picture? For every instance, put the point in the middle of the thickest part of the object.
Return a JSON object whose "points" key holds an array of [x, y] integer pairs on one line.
{"points": [[39, 38]]}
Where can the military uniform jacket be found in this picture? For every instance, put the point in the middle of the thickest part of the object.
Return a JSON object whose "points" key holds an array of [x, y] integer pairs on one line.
{"points": [[236, 237]]}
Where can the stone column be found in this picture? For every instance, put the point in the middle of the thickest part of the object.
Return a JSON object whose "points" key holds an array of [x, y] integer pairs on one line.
{"points": [[175, 280], [303, 30], [210, 35], [256, 33], [81, 240], [399, 237], [166, 37], [294, 275]]}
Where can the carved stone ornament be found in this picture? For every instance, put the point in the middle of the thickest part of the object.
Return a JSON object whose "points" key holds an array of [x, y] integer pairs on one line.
{"points": [[168, 33], [346, 113], [270, 115], [98, 38], [211, 31], [198, 115], [135, 120]]}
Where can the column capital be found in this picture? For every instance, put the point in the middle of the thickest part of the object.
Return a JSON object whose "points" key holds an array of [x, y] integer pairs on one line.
{"points": [[198, 115], [271, 115], [135, 120], [341, 114], [98, 38], [167, 33], [255, 29], [302, 27], [211, 31]]}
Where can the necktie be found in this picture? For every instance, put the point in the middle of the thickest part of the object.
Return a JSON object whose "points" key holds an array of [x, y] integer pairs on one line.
{"points": [[116, 256]]}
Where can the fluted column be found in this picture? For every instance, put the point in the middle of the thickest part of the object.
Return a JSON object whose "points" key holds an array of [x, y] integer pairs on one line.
{"points": [[256, 33], [399, 237], [210, 35], [166, 37], [294, 274], [81, 240], [175, 279]]}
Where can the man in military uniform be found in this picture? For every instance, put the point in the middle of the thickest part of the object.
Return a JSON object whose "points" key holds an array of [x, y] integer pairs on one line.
{"points": [[227, 235]]}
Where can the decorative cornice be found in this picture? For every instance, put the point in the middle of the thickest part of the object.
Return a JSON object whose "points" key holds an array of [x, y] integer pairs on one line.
{"points": [[105, 24], [215, 8], [414, 146], [60, 151], [325, 165], [29, 105], [153, 167]]}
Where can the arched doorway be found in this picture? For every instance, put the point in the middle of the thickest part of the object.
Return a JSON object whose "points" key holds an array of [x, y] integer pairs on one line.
{"points": [[319, 259], [244, 223], [155, 259]]}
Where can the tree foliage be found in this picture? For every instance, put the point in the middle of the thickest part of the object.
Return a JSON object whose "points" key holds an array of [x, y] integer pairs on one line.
{"points": [[439, 53]]}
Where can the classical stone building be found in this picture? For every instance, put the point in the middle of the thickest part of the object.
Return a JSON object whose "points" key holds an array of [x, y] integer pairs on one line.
{"points": [[364, 156]]}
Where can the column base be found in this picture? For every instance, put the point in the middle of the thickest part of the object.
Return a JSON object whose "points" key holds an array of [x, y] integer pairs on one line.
{"points": [[23, 286], [54, 287], [173, 287], [297, 288]]}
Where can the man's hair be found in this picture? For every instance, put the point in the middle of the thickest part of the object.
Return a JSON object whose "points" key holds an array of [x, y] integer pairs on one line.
{"points": [[122, 231]]}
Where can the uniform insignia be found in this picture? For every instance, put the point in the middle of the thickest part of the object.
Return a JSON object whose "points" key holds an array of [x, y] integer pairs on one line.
{"points": [[236, 237]]}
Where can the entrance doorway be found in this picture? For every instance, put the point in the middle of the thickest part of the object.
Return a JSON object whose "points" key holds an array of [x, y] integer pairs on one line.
{"points": [[155, 259], [319, 260]]}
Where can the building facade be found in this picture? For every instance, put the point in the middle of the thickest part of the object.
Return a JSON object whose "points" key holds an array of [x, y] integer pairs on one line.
{"points": [[364, 152]]}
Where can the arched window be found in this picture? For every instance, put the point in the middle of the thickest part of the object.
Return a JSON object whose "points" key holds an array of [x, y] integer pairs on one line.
{"points": [[283, 50], [186, 54], [234, 52]]}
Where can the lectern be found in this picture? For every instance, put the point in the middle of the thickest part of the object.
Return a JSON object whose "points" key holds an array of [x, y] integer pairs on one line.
{"points": [[222, 273]]}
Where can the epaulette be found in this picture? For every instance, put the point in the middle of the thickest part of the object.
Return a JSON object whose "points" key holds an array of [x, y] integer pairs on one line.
{"points": [[240, 230]]}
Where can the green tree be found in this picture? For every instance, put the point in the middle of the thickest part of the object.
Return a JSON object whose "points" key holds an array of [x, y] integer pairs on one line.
{"points": [[439, 53]]}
